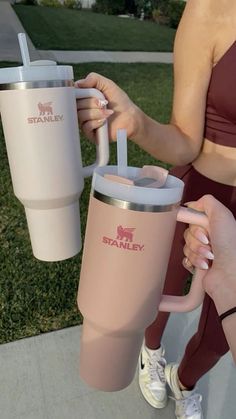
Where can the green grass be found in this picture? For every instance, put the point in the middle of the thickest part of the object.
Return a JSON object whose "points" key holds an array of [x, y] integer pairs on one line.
{"points": [[35, 296], [63, 29]]}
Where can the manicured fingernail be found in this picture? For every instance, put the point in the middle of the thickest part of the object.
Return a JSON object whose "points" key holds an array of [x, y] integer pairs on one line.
{"points": [[203, 265], [79, 81], [202, 237], [206, 253], [189, 203], [102, 103], [108, 112], [209, 255]]}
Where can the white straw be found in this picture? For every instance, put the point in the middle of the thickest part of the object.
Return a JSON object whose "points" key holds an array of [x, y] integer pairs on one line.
{"points": [[24, 49], [122, 152]]}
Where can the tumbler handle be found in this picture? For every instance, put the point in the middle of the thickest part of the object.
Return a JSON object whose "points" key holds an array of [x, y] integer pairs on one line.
{"points": [[102, 152], [196, 294]]}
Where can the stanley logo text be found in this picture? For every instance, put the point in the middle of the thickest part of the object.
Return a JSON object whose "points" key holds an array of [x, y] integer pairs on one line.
{"points": [[45, 114], [124, 240]]}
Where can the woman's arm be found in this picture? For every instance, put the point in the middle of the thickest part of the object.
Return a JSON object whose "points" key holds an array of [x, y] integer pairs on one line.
{"points": [[220, 280], [180, 141]]}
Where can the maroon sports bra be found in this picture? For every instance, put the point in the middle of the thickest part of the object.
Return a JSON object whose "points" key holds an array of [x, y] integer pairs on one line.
{"points": [[220, 123]]}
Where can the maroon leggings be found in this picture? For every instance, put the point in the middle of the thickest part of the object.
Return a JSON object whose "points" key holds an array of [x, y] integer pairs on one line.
{"points": [[209, 344]]}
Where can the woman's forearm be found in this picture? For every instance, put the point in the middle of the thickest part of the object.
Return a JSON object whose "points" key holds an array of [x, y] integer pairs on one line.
{"points": [[165, 142]]}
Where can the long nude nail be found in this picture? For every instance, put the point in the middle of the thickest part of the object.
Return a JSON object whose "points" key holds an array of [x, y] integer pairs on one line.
{"points": [[202, 237], [108, 112], [79, 82], [207, 254]]}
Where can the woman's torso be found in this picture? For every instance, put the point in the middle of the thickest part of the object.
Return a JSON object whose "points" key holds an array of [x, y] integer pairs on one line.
{"points": [[217, 159]]}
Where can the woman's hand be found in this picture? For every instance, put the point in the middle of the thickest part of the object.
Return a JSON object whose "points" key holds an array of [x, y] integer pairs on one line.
{"points": [[197, 249], [219, 281], [92, 112]]}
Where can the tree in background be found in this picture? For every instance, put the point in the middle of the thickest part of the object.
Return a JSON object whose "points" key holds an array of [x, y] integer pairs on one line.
{"points": [[168, 12], [146, 6], [130, 7], [110, 7]]}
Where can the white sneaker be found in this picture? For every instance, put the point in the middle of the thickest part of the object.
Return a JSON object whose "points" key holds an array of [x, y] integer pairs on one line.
{"points": [[187, 403], [152, 380]]}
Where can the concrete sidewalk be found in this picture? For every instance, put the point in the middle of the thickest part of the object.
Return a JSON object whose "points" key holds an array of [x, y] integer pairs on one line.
{"points": [[40, 380], [10, 26], [76, 57]]}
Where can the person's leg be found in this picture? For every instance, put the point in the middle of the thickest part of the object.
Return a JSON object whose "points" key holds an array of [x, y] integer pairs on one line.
{"points": [[203, 351], [209, 344], [174, 285], [152, 362], [176, 275], [205, 348], [196, 185]]}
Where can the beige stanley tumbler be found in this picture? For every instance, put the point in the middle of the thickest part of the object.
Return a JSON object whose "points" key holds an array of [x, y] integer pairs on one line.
{"points": [[126, 252], [40, 124]]}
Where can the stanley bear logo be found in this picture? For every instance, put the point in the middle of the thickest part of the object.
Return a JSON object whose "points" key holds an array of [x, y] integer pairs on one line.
{"points": [[45, 114], [45, 108], [124, 240], [125, 233]]}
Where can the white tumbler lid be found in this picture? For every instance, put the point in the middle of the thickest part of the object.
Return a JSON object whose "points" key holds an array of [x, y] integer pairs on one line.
{"points": [[170, 193], [55, 233], [34, 70], [37, 71]]}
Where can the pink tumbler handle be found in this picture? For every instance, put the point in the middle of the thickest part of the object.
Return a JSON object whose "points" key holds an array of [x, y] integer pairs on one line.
{"points": [[196, 294], [102, 134]]}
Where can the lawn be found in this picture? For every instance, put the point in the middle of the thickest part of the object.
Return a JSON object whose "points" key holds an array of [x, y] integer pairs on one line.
{"points": [[35, 296], [65, 29]]}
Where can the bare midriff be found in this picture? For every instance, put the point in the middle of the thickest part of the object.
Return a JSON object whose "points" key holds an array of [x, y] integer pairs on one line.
{"points": [[217, 162]]}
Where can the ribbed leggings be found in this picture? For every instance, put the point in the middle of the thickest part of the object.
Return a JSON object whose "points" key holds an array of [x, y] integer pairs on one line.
{"points": [[209, 344]]}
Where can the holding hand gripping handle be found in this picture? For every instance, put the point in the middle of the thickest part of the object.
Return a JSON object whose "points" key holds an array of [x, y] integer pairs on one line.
{"points": [[102, 134], [196, 294]]}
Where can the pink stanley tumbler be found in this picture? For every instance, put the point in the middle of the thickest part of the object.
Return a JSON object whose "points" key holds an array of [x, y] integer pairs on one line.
{"points": [[127, 246]]}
